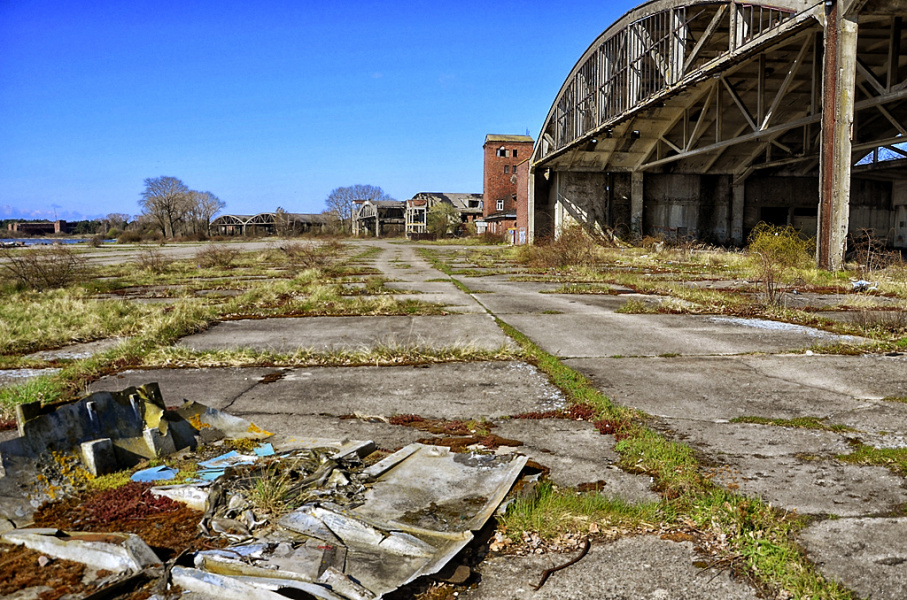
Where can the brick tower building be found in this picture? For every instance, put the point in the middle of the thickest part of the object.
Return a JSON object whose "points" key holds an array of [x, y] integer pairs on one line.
{"points": [[502, 155]]}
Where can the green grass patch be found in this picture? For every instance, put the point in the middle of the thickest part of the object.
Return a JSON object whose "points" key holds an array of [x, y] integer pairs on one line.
{"points": [[556, 511], [634, 306], [799, 422], [894, 459], [895, 399], [581, 288]]}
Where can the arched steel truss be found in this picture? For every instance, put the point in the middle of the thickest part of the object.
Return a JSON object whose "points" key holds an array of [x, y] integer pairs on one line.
{"points": [[727, 87]]}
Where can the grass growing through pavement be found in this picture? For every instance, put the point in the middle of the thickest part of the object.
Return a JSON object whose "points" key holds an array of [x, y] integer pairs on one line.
{"points": [[382, 355], [799, 422], [275, 282], [552, 512], [894, 459], [745, 532]]}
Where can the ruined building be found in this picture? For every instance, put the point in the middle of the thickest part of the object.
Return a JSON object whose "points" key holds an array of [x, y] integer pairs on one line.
{"points": [[702, 118], [502, 154]]}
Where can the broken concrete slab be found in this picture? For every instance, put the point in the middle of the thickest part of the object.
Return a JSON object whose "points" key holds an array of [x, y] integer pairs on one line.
{"points": [[842, 551], [100, 433], [582, 336], [116, 552], [441, 391], [327, 334], [77, 351], [10, 377], [737, 439], [638, 567]]}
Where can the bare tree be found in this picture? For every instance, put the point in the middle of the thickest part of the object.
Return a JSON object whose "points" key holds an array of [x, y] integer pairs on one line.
{"points": [[165, 199], [117, 221], [343, 201], [202, 206]]}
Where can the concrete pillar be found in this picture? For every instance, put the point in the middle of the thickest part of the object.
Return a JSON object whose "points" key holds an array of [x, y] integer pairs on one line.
{"points": [[837, 127], [738, 195], [636, 190], [530, 208]]}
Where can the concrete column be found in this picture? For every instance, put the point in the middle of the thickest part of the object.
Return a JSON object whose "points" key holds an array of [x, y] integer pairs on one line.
{"points": [[558, 205], [837, 128], [530, 208], [636, 190], [377, 224], [738, 195]]}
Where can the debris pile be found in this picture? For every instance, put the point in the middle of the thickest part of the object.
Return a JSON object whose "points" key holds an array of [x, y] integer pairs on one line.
{"points": [[288, 517]]}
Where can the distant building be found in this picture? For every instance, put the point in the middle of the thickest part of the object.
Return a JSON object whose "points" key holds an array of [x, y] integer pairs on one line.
{"points": [[380, 217], [468, 205], [502, 155], [269, 223], [41, 228]]}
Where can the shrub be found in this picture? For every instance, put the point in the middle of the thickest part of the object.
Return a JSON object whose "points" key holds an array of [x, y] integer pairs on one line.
{"points": [[572, 248], [45, 268], [216, 256], [778, 250], [129, 237], [310, 255], [152, 260]]}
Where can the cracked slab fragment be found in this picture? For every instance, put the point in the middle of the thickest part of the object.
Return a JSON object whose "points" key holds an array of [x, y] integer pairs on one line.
{"points": [[867, 555]]}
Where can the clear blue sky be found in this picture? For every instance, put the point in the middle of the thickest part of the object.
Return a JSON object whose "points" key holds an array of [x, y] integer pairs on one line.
{"points": [[270, 104]]}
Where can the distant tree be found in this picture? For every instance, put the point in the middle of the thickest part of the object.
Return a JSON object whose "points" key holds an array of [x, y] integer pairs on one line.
{"points": [[166, 200], [202, 207], [442, 218], [117, 221], [343, 201], [282, 222]]}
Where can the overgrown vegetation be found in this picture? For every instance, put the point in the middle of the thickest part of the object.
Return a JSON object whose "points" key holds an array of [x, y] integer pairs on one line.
{"points": [[272, 282], [43, 268], [778, 251]]}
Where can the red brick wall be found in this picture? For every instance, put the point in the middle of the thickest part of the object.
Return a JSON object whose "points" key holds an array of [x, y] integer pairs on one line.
{"points": [[497, 184]]}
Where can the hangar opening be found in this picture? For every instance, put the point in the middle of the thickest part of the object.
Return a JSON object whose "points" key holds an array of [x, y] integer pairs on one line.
{"points": [[703, 118]]}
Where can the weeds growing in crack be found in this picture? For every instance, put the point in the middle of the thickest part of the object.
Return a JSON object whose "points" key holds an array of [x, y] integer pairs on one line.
{"points": [[799, 423]]}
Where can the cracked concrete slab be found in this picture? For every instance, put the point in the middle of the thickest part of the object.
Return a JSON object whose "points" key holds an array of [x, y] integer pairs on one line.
{"points": [[440, 391], [815, 487], [841, 550], [577, 453], [720, 439], [603, 334], [785, 386], [627, 569], [326, 334]]}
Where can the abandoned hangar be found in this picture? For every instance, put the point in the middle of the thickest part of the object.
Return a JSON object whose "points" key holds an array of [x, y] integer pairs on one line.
{"points": [[702, 118]]}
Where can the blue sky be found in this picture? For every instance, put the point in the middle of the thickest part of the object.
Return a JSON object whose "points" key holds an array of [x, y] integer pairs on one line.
{"points": [[270, 104]]}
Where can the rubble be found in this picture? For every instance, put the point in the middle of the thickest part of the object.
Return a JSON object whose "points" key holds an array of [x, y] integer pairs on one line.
{"points": [[289, 516]]}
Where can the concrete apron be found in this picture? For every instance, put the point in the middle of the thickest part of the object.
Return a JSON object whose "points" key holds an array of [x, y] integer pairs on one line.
{"points": [[694, 395]]}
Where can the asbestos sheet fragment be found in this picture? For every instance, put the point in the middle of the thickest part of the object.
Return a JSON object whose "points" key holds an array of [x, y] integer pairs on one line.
{"points": [[117, 552], [418, 511]]}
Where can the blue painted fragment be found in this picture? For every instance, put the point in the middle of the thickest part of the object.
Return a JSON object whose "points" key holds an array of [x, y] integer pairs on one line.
{"points": [[160, 473]]}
